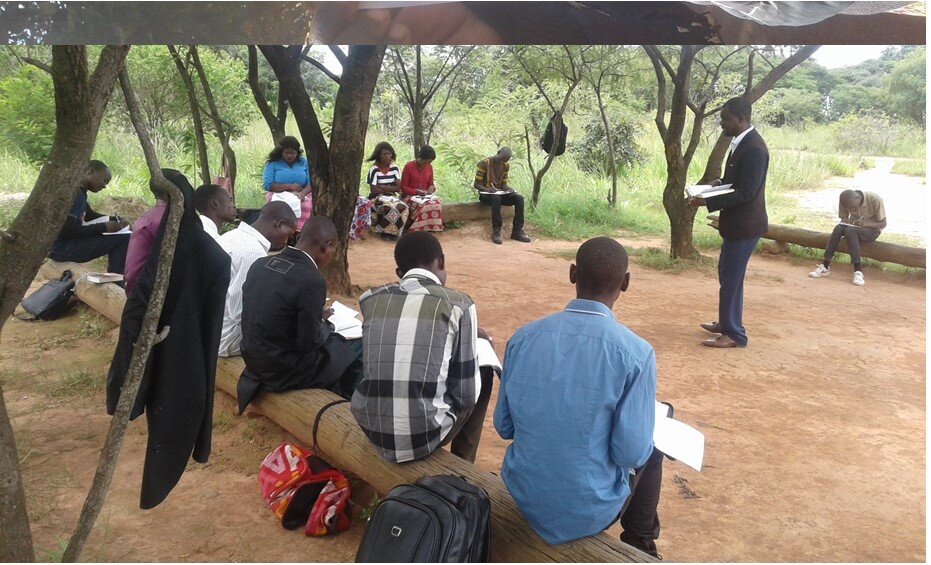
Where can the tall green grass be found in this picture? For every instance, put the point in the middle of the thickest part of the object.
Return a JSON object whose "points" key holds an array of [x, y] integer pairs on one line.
{"points": [[911, 167]]}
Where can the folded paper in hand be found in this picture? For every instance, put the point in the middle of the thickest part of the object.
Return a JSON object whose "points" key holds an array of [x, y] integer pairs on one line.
{"points": [[345, 321], [707, 191], [487, 356], [677, 440]]}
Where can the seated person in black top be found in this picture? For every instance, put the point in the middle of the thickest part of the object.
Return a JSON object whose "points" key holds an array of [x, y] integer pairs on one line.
{"points": [[286, 342], [81, 242]]}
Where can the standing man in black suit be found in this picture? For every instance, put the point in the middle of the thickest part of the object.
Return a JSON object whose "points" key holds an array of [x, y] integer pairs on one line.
{"points": [[743, 219], [287, 343]]}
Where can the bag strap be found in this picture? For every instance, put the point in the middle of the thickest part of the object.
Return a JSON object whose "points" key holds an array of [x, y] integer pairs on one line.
{"points": [[66, 275], [317, 420]]}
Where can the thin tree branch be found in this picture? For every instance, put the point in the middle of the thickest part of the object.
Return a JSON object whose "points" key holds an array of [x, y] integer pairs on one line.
{"points": [[322, 68], [660, 118], [143, 347], [340, 55], [520, 62]]}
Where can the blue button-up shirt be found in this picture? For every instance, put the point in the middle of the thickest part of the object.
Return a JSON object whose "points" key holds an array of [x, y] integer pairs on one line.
{"points": [[279, 172], [577, 396]]}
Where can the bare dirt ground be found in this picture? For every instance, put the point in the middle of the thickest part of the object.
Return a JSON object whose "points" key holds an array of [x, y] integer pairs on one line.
{"points": [[815, 434]]}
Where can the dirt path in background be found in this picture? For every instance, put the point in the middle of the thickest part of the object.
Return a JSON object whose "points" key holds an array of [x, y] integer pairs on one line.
{"points": [[815, 434]]}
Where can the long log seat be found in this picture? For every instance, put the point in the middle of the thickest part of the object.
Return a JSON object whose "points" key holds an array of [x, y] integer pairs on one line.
{"points": [[344, 445]]}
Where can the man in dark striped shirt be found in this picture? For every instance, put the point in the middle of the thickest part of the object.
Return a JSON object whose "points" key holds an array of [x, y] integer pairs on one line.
{"points": [[422, 380]]}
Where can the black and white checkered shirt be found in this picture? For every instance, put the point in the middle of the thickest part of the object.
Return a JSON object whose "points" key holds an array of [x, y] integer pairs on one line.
{"points": [[421, 372]]}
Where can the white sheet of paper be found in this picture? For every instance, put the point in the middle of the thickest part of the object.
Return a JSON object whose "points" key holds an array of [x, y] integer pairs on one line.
{"points": [[496, 192], [678, 440], [105, 219], [486, 355]]}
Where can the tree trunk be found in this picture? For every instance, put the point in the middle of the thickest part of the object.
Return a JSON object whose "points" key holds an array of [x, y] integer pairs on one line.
{"points": [[556, 124], [275, 121], [612, 167], [347, 150], [199, 140], [79, 105], [417, 119], [148, 337], [681, 215], [336, 168], [229, 156]]}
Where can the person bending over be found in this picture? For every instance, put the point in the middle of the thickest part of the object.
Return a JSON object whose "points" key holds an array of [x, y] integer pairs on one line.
{"points": [[577, 397], [286, 343], [862, 219], [216, 208], [245, 245], [491, 175], [82, 239], [422, 387]]}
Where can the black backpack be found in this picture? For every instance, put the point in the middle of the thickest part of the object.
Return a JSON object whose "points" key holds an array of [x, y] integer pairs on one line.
{"points": [[441, 519], [547, 141], [50, 300]]}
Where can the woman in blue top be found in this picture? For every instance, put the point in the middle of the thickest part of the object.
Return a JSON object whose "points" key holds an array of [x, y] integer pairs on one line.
{"points": [[286, 171]]}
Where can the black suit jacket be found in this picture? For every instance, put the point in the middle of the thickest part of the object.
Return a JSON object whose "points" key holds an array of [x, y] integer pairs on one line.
{"points": [[743, 212], [178, 384], [286, 344]]}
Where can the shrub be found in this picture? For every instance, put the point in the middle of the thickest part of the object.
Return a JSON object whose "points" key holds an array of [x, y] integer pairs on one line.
{"points": [[27, 112]]}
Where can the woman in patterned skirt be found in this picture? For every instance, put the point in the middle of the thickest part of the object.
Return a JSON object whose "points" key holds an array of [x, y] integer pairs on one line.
{"points": [[420, 193], [388, 212]]}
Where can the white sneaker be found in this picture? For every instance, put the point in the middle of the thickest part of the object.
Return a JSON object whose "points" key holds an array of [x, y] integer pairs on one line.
{"points": [[821, 271], [858, 278]]}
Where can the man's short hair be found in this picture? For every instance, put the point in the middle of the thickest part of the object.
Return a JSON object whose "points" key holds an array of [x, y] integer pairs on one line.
{"points": [[205, 194], [417, 249], [738, 106], [317, 230], [95, 166], [601, 264]]}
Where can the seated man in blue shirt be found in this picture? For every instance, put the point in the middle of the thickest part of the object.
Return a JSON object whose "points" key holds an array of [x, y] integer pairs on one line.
{"points": [[82, 237], [577, 396]]}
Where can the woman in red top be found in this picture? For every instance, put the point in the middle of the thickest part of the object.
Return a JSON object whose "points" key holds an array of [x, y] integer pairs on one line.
{"points": [[420, 192]]}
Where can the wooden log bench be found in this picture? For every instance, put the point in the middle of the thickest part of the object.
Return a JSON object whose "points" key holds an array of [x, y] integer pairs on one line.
{"points": [[343, 444], [464, 212], [877, 250]]}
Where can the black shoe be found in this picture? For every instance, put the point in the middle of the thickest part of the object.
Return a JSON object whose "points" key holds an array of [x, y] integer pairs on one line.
{"points": [[496, 236], [519, 235], [713, 327]]}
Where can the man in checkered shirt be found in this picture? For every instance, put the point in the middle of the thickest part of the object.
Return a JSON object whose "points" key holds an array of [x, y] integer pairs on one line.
{"points": [[422, 387]]}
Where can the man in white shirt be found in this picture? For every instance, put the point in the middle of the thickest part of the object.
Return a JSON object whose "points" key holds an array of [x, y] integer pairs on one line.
{"points": [[216, 208], [245, 245]]}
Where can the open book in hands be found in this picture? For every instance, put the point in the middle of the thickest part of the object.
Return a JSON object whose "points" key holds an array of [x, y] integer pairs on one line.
{"points": [[423, 199], [345, 322], [707, 191], [496, 192]]}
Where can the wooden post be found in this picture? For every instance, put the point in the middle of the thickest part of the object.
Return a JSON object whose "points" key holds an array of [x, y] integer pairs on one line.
{"points": [[344, 445], [878, 250]]}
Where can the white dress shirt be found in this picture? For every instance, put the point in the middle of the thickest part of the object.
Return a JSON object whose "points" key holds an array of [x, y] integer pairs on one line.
{"points": [[210, 228], [244, 245], [737, 139]]}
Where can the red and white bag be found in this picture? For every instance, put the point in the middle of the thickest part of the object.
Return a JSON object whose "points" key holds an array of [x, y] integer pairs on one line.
{"points": [[303, 490]]}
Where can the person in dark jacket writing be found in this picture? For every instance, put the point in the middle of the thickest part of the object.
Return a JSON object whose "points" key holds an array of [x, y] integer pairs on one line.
{"points": [[286, 342], [82, 238]]}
